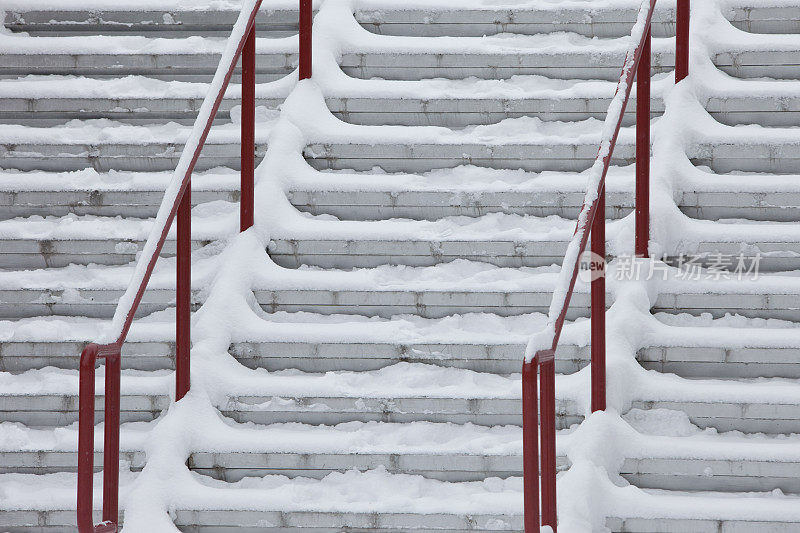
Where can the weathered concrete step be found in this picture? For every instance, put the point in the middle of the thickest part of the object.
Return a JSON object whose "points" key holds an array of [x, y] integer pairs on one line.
{"points": [[275, 22], [55, 108], [357, 253], [166, 65], [59, 409], [779, 417], [703, 512], [428, 303], [54, 253], [387, 20], [465, 191], [412, 111], [87, 192], [406, 111], [709, 361], [710, 474], [535, 155], [334, 198], [331, 198], [147, 155], [456, 291], [565, 64]]}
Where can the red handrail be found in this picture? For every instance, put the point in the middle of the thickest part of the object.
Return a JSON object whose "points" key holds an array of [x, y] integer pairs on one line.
{"points": [[177, 202], [540, 353]]}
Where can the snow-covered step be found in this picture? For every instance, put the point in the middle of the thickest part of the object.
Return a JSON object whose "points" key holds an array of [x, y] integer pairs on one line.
{"points": [[51, 409], [535, 155], [405, 111], [58, 21], [763, 19], [190, 59], [87, 192], [384, 18], [759, 405], [464, 191], [274, 504], [405, 392], [307, 342], [695, 359], [727, 347], [106, 145], [663, 450], [34, 103], [48, 253], [355, 253], [496, 238], [527, 59], [660, 511]]}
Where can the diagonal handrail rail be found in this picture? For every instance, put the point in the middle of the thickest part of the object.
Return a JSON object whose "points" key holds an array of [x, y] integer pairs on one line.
{"points": [[176, 198], [541, 348]]}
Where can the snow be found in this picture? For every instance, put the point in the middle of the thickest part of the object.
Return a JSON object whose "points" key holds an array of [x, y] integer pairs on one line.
{"points": [[232, 270]]}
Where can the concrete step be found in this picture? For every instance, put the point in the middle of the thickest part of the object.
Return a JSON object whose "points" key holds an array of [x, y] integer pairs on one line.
{"points": [[189, 59], [105, 145], [387, 504], [169, 23], [405, 111], [524, 143], [432, 300], [780, 156], [462, 191], [398, 394], [456, 112], [689, 351], [386, 20], [496, 238], [431, 292], [534, 155], [111, 194], [47, 100], [657, 511]]}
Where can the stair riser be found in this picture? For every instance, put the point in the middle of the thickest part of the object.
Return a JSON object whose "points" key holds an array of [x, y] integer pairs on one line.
{"points": [[433, 205], [101, 303], [60, 410], [497, 359]]}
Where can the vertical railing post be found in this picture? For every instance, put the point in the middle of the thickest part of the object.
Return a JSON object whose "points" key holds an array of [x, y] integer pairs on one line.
{"points": [[682, 40], [547, 421], [306, 19], [530, 446], [598, 305], [86, 438], [248, 122], [111, 417], [183, 295], [643, 150]]}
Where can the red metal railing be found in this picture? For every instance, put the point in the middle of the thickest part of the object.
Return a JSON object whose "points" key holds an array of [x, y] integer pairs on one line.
{"points": [[176, 203], [540, 354]]}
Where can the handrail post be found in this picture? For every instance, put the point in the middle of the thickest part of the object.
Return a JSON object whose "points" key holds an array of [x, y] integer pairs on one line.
{"points": [[530, 446], [86, 399], [643, 150], [547, 420], [248, 123], [86, 438], [306, 21], [111, 417], [682, 40], [183, 295], [598, 305]]}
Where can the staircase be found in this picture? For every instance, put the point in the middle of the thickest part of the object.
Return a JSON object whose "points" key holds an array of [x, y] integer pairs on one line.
{"points": [[356, 357]]}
